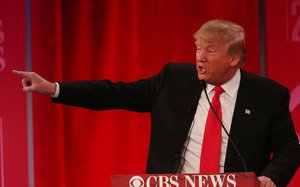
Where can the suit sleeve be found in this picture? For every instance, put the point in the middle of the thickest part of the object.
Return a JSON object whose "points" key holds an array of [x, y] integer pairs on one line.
{"points": [[285, 145], [104, 94]]}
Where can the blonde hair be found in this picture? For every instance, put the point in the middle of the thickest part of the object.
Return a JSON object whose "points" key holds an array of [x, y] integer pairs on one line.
{"points": [[226, 31]]}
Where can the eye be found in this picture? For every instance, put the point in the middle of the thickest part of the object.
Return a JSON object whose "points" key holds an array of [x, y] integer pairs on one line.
{"points": [[211, 50]]}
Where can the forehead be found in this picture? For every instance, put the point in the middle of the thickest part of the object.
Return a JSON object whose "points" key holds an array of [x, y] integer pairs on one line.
{"points": [[200, 42]]}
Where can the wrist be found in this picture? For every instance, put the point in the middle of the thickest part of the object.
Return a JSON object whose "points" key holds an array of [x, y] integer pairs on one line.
{"points": [[56, 90]]}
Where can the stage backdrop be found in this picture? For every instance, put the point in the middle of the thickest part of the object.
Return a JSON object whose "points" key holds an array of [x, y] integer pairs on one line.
{"points": [[283, 53], [96, 39], [13, 128]]}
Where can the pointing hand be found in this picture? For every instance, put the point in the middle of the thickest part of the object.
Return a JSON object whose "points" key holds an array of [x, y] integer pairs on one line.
{"points": [[32, 82]]}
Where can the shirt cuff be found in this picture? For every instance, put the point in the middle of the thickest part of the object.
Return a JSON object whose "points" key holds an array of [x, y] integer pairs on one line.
{"points": [[56, 94]]}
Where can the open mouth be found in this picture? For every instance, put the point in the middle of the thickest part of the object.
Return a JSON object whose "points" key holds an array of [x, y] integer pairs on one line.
{"points": [[201, 69]]}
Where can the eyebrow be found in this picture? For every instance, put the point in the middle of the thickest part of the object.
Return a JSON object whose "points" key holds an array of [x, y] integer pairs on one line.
{"points": [[208, 46]]}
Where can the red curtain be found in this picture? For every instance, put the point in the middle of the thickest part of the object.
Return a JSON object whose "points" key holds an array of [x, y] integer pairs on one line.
{"points": [[117, 40]]}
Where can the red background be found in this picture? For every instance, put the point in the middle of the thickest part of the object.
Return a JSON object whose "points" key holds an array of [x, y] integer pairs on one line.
{"points": [[119, 40], [12, 101], [122, 40], [283, 53]]}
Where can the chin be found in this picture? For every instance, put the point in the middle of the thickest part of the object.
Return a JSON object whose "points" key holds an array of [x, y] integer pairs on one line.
{"points": [[201, 77]]}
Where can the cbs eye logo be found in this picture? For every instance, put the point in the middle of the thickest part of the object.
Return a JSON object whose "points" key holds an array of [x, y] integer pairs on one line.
{"points": [[136, 181]]}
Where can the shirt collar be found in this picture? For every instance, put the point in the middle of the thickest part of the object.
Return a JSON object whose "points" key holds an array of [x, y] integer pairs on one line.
{"points": [[230, 87]]}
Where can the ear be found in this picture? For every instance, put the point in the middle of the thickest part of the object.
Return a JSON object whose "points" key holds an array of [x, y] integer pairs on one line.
{"points": [[234, 60]]}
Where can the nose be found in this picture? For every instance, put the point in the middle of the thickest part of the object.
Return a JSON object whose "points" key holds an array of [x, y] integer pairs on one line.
{"points": [[201, 55]]}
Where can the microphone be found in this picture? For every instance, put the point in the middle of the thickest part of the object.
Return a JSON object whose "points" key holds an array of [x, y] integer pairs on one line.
{"points": [[202, 84], [223, 127], [192, 108]]}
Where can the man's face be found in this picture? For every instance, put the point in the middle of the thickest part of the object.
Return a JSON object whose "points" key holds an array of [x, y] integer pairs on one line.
{"points": [[213, 63]]}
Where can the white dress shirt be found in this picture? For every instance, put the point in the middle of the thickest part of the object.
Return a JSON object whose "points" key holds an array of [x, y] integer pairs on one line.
{"points": [[193, 145], [57, 90]]}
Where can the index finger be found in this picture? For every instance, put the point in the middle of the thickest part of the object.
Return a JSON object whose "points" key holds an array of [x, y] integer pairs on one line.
{"points": [[21, 73]]}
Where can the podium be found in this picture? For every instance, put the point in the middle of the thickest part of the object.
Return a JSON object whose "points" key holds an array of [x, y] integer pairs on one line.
{"points": [[235, 179]]}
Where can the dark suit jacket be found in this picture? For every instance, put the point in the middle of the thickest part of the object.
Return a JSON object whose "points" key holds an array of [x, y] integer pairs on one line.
{"points": [[171, 97]]}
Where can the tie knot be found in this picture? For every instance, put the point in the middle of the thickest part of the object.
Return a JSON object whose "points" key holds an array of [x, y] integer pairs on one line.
{"points": [[218, 90]]}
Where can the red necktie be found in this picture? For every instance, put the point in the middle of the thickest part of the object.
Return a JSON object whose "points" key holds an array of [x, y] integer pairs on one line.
{"points": [[211, 145]]}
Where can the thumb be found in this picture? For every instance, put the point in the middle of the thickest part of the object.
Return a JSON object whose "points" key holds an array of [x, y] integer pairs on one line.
{"points": [[28, 89]]}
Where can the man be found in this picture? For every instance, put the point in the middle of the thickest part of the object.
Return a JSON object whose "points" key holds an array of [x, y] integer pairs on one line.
{"points": [[253, 109]]}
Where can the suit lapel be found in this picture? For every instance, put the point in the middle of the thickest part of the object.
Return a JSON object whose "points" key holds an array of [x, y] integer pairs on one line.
{"points": [[242, 117]]}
